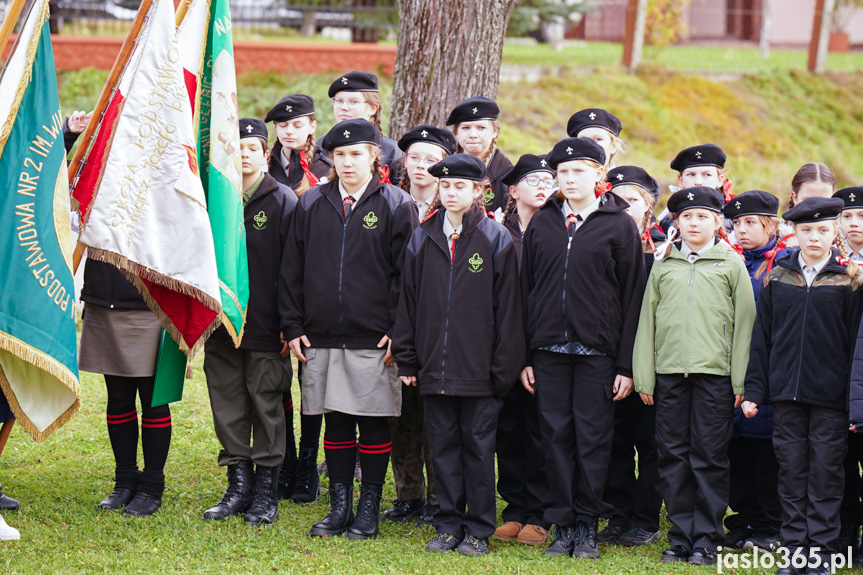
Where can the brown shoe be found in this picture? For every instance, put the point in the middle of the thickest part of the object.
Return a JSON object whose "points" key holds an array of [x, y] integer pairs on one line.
{"points": [[508, 531], [532, 535]]}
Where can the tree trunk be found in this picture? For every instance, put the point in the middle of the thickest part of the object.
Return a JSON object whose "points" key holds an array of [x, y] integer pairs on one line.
{"points": [[448, 50], [766, 26]]}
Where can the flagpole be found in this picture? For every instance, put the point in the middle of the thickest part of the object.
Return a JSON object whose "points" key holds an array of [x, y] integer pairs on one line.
{"points": [[101, 106], [9, 22], [182, 9]]}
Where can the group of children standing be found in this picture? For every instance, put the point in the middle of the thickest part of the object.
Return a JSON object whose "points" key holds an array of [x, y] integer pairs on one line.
{"points": [[536, 312]]}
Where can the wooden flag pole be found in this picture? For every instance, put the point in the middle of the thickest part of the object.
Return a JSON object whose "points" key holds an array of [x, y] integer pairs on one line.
{"points": [[182, 9], [102, 105], [9, 22]]}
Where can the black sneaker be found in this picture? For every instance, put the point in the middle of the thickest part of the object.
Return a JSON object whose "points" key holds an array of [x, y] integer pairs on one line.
{"points": [[442, 542], [636, 536], [563, 544], [769, 543], [585, 546], [610, 534], [403, 510], [473, 546], [427, 514], [674, 554], [703, 556], [738, 536]]}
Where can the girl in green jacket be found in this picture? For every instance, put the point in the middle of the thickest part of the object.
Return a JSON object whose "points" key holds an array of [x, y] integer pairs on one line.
{"points": [[690, 358]]}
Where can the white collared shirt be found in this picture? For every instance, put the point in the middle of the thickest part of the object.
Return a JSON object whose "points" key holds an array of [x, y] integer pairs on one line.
{"points": [[581, 216], [285, 161], [356, 195], [690, 255], [422, 207], [810, 273], [448, 229]]}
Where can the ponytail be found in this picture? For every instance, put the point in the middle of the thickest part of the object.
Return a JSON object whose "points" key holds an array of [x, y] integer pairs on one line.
{"points": [[508, 210], [852, 269]]}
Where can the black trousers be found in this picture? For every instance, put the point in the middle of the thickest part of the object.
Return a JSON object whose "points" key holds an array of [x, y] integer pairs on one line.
{"points": [[810, 444], [693, 429], [852, 513], [576, 412], [754, 493], [521, 474], [636, 499], [461, 434]]}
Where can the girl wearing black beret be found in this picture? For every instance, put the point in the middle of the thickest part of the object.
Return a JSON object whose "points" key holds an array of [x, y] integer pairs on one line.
{"points": [[850, 244], [295, 160], [812, 180], [424, 146], [582, 280], [601, 126], [475, 125]]}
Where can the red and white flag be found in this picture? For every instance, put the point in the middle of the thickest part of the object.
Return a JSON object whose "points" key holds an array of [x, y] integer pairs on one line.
{"points": [[143, 208]]}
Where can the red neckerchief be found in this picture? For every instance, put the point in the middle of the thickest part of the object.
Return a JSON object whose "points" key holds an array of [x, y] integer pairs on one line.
{"points": [[771, 255], [727, 187], [842, 261], [453, 237], [602, 189], [645, 235], [385, 175], [313, 180]]}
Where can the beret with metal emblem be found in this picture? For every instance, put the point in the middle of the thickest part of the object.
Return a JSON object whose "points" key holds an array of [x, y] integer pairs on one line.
{"points": [[460, 166], [354, 82], [701, 155], [476, 108], [633, 176], [853, 197], [696, 197], [570, 149], [351, 132], [815, 210], [526, 165], [593, 118], [752, 203], [253, 128], [291, 107], [429, 135]]}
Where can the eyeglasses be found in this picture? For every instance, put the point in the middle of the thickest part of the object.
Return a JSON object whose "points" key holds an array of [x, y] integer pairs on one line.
{"points": [[427, 161], [536, 180], [352, 103]]}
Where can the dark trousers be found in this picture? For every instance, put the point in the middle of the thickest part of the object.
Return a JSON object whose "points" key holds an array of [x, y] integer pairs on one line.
{"points": [[521, 474], [461, 432], [810, 445], [636, 499], [411, 452], [852, 514], [693, 429], [576, 412], [754, 486]]}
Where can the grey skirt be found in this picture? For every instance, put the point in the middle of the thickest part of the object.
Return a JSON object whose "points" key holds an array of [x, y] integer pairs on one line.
{"points": [[122, 342], [352, 381]]}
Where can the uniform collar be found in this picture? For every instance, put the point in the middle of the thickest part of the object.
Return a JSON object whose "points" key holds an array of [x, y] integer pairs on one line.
{"points": [[686, 251]]}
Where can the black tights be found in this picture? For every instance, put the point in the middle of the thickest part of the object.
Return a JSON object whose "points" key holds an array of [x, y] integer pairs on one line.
{"points": [[340, 445], [123, 432]]}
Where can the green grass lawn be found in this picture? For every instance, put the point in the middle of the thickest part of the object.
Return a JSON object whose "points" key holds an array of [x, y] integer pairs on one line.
{"points": [[60, 481]]}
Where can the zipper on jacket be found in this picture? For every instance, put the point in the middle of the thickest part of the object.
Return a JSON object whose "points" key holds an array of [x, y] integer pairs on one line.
{"points": [[802, 333], [688, 307], [727, 348], [341, 270], [563, 304], [446, 322]]}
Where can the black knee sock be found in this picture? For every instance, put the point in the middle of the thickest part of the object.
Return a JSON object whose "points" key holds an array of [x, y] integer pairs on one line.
{"points": [[155, 439], [340, 446], [291, 444], [375, 446], [310, 430], [123, 429]]}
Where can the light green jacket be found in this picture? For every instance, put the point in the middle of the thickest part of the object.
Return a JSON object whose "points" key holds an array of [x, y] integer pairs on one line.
{"points": [[696, 318]]}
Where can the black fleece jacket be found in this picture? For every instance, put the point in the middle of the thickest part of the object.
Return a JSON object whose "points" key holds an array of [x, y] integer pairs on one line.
{"points": [[340, 279], [587, 290], [803, 337], [459, 328], [320, 165]]}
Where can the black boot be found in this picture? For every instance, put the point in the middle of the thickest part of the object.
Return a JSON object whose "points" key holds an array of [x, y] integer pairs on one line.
{"points": [[125, 485], [264, 509], [341, 513], [148, 499], [365, 526], [287, 475], [7, 503], [307, 484], [238, 495]]}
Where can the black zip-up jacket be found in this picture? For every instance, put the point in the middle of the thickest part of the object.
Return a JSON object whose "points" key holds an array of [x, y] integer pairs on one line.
{"points": [[459, 327], [267, 216], [498, 165], [588, 290], [340, 280], [105, 285], [803, 337], [320, 165], [511, 224]]}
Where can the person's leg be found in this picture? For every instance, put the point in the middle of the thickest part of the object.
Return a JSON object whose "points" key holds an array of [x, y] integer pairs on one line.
{"points": [[850, 512], [122, 418], [374, 449], [442, 417], [538, 496], [407, 458], [156, 428], [742, 460], [766, 525], [288, 469], [511, 449], [791, 444], [431, 507], [620, 483], [340, 447], [646, 497], [828, 434]]}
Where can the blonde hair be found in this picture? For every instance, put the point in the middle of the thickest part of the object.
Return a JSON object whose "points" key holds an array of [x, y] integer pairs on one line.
{"points": [[374, 99], [853, 269]]}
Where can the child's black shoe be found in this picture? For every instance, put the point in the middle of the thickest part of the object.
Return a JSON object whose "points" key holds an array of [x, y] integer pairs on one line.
{"points": [[563, 544], [675, 553], [442, 542], [473, 546], [703, 556]]}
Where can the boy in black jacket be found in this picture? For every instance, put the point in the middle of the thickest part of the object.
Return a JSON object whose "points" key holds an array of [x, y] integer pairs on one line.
{"points": [[337, 301], [459, 335], [246, 384]]}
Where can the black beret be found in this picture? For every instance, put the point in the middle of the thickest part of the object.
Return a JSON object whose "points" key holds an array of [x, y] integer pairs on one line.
{"points": [[354, 82], [853, 197], [527, 164], [593, 118], [702, 155], [429, 135], [752, 203], [571, 149], [291, 107], [633, 176], [695, 197], [253, 128], [351, 132], [476, 108], [462, 166], [815, 210]]}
